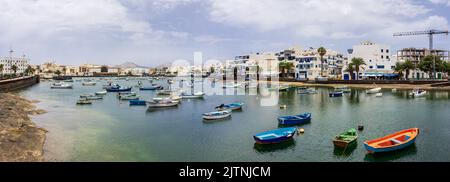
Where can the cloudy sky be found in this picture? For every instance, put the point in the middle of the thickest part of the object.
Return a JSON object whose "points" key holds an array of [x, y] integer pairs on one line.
{"points": [[154, 32]]}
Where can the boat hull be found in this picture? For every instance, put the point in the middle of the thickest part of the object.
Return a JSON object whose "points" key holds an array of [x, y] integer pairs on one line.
{"points": [[275, 136], [343, 144], [391, 142], [273, 141], [118, 90], [338, 94], [293, 121]]}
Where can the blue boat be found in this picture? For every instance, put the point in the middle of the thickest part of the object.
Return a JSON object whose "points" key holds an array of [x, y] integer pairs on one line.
{"points": [[295, 120], [233, 106], [118, 89], [138, 103], [336, 94], [275, 136]]}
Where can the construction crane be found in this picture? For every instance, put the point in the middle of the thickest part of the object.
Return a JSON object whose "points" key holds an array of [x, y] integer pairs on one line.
{"points": [[430, 34]]}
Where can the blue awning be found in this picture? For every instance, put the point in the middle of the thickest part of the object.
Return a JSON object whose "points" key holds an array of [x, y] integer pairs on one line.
{"points": [[391, 75]]}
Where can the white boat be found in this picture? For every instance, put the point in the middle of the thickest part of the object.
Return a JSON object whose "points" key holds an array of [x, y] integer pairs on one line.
{"points": [[373, 90], [197, 95], [217, 115], [129, 97], [418, 93], [162, 103], [89, 84], [379, 95], [94, 98], [60, 85], [394, 90], [86, 95], [84, 102], [101, 92], [174, 98]]}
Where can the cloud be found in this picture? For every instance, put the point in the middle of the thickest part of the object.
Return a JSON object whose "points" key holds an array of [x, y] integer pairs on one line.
{"points": [[447, 2], [327, 18]]}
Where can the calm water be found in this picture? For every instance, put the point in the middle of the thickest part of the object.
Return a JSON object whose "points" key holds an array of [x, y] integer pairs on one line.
{"points": [[111, 130]]}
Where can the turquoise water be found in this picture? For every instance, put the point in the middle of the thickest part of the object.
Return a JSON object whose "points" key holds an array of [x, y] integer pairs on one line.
{"points": [[111, 130]]}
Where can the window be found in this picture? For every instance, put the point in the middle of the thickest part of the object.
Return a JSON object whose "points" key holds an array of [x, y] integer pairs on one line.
{"points": [[387, 50], [382, 56], [370, 67], [387, 57], [381, 50], [380, 66]]}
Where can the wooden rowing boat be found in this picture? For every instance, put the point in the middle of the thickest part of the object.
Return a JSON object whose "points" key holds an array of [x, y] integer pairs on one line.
{"points": [[392, 142]]}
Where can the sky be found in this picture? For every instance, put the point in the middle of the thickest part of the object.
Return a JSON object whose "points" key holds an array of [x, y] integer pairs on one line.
{"points": [[155, 32]]}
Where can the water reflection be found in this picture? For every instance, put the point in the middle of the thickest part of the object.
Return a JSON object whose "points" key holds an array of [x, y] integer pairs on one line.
{"points": [[261, 148], [391, 156], [345, 152]]}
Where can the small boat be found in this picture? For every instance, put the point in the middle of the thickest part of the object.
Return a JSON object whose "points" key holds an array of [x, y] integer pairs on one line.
{"points": [[232, 106], [343, 89], [345, 139], [162, 104], [153, 87], [84, 102], [122, 94], [307, 91], [392, 142], [86, 95], [61, 86], [275, 136], [394, 90], [89, 84], [336, 94], [118, 89], [197, 95], [94, 98], [165, 92], [418, 93], [129, 97], [217, 115], [379, 95], [373, 90], [101, 92], [138, 103], [69, 81], [295, 120], [174, 98]]}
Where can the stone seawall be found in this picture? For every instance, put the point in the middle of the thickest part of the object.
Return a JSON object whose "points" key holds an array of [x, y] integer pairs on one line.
{"points": [[18, 83]]}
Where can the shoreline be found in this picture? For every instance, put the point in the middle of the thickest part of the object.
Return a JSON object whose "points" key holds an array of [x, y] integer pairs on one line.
{"points": [[21, 140], [368, 86]]}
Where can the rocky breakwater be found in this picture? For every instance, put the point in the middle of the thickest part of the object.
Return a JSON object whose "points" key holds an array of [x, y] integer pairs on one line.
{"points": [[20, 139]]}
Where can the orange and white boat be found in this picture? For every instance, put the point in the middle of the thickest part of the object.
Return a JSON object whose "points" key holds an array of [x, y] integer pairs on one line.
{"points": [[392, 142]]}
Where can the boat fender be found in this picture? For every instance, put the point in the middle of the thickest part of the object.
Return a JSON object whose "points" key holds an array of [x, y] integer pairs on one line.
{"points": [[301, 131]]}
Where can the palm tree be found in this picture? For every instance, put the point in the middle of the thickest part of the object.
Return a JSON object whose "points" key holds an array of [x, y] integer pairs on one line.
{"points": [[350, 69], [357, 62], [285, 67], [407, 66], [14, 68], [1, 70], [322, 51], [29, 70], [258, 71], [399, 68]]}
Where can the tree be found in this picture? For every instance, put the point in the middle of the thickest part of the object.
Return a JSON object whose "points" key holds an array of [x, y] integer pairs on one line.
{"points": [[57, 72], [399, 68], [350, 69], [212, 70], [285, 67], [1, 70], [29, 70], [407, 66], [426, 65], [64, 70], [357, 63], [322, 51], [14, 68], [104, 69]]}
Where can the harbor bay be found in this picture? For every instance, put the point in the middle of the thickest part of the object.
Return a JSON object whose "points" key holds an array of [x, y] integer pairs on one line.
{"points": [[111, 130]]}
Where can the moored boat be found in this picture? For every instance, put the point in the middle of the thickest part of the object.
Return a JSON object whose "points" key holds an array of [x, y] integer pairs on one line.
{"points": [[101, 92], [373, 90], [93, 98], [295, 120], [336, 94], [217, 115], [343, 89], [197, 95], [89, 84], [346, 138], [153, 87], [275, 136], [84, 102], [138, 103], [162, 104], [418, 93], [129, 97], [61, 86], [307, 91], [118, 89], [392, 142], [232, 106], [379, 95]]}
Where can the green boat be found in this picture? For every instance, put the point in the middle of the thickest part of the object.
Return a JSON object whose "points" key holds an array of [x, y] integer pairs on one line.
{"points": [[345, 139]]}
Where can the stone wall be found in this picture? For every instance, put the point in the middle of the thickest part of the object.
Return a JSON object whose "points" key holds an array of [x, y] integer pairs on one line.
{"points": [[18, 83]]}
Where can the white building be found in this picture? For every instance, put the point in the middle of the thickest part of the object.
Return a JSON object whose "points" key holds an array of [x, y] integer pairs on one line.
{"points": [[8, 62], [377, 57], [267, 63], [308, 65]]}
